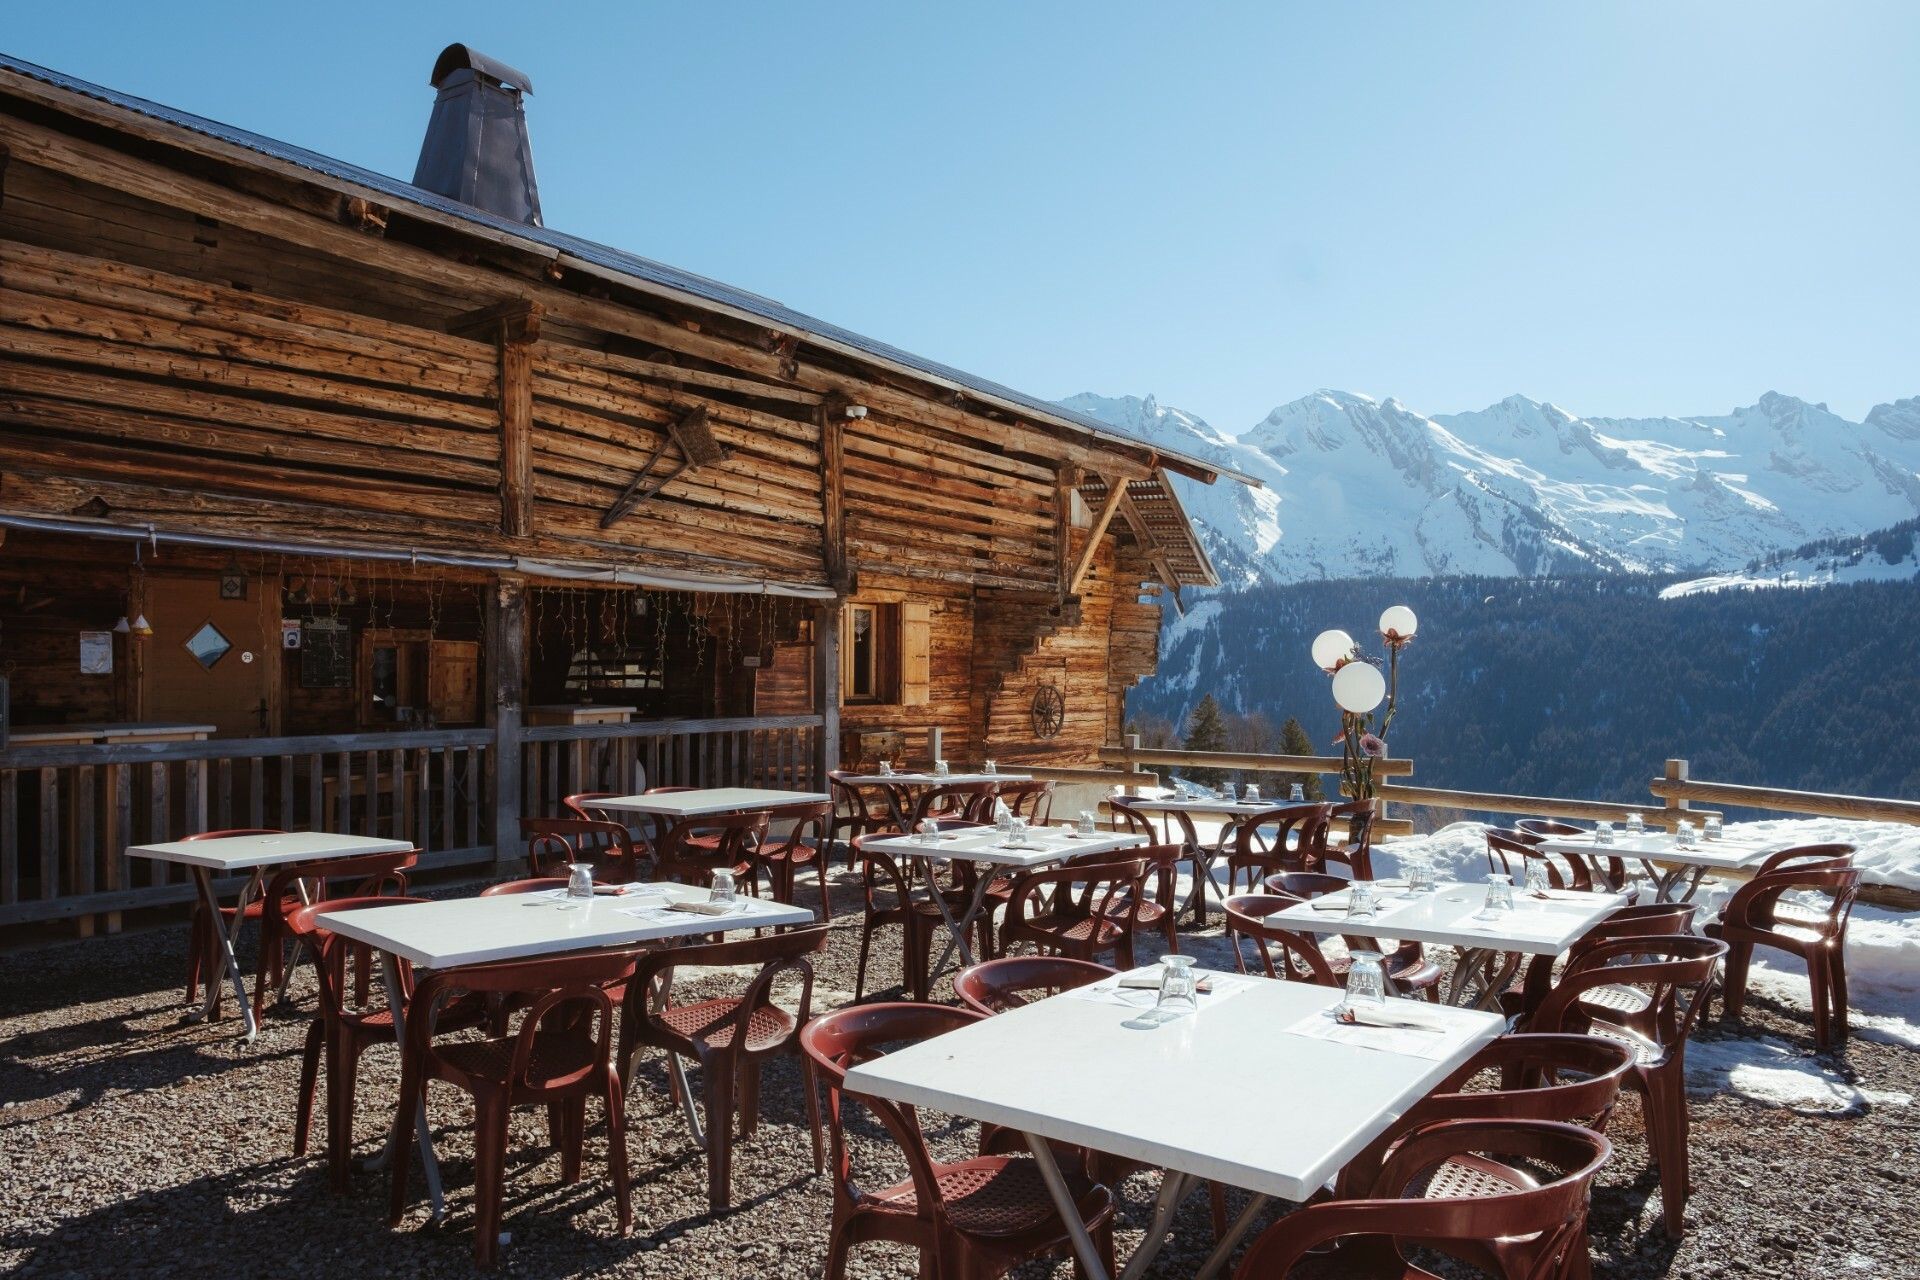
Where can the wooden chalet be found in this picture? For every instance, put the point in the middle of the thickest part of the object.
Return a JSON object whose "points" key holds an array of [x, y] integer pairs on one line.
{"points": [[332, 500]]}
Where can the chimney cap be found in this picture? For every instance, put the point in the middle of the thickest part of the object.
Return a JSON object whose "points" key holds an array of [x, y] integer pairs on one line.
{"points": [[456, 57]]}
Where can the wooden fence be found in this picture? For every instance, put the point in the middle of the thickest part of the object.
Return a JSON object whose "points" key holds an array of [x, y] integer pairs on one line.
{"points": [[780, 752]]}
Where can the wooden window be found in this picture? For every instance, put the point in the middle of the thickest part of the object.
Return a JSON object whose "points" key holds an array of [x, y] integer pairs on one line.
{"points": [[876, 662]]}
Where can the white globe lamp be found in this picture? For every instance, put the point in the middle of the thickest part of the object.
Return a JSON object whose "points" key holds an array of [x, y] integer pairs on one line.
{"points": [[1330, 648], [1398, 624], [1359, 687]]}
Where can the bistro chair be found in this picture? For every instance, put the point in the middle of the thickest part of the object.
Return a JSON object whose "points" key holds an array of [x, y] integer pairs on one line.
{"points": [[1356, 854], [554, 843], [561, 1054], [1674, 973], [692, 849], [582, 806], [1406, 966], [887, 898], [1526, 1226], [1642, 920], [369, 874], [1199, 857], [534, 884], [730, 1037], [1082, 911], [970, 1219], [1608, 871], [340, 1033], [202, 944], [804, 845], [1506, 848], [1756, 916], [1030, 800], [996, 986], [954, 804], [854, 813], [1568, 1079], [1300, 958], [1257, 856]]}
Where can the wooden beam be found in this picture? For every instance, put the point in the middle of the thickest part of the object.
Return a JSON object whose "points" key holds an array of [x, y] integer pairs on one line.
{"points": [[1065, 482], [505, 651], [516, 439], [514, 320], [826, 683], [833, 494], [1116, 491]]}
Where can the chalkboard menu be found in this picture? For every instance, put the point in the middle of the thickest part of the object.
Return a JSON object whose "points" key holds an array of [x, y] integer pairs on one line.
{"points": [[326, 654]]}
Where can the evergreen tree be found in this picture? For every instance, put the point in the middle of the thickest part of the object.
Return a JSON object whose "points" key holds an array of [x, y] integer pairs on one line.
{"points": [[1295, 742], [1206, 731]]}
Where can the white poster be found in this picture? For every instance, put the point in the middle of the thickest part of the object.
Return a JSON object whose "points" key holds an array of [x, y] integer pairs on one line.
{"points": [[96, 653]]}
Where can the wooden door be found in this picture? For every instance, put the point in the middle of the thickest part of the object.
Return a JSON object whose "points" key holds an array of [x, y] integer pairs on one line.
{"points": [[209, 660]]}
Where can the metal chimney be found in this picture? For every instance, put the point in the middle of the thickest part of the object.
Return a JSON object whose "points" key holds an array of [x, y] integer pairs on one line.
{"points": [[476, 148]]}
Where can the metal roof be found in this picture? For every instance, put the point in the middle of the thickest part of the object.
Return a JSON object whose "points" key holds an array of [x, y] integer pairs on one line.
{"points": [[643, 272]]}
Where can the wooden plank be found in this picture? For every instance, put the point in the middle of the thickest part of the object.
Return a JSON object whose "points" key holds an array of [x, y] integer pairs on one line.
{"points": [[287, 821], [119, 787], [505, 647], [516, 439], [1820, 803], [343, 793], [159, 816], [83, 856], [1535, 806], [1390, 768], [9, 835], [1116, 490], [49, 795], [223, 793], [833, 472]]}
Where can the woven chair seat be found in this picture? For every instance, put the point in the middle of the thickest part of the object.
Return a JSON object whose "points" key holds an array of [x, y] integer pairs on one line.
{"points": [[1616, 998], [554, 1056], [710, 1022], [992, 1196], [1645, 1052]]}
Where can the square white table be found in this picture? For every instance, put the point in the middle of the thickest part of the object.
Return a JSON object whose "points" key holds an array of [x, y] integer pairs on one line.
{"points": [[985, 847], [518, 926], [1078, 1071], [253, 855], [1236, 811], [1534, 927], [707, 802], [895, 786], [1685, 867]]}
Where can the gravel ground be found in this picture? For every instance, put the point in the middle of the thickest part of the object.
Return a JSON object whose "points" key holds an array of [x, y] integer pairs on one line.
{"points": [[132, 1141]]}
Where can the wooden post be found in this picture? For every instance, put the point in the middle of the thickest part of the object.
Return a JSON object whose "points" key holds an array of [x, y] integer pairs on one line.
{"points": [[1066, 483], [1133, 745], [506, 649], [826, 684], [515, 326], [1675, 805], [833, 527], [936, 746]]}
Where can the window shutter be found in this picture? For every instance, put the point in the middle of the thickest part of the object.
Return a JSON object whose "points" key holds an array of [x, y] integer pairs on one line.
{"points": [[915, 646]]}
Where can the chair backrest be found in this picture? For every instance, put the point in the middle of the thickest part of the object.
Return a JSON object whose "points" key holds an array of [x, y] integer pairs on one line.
{"points": [[775, 953], [1504, 848], [807, 834], [851, 800], [961, 801], [1304, 884], [1568, 1079], [234, 831], [1674, 971], [1641, 920], [999, 985], [838, 1041], [1547, 828], [1079, 891], [581, 805], [1537, 1223], [367, 874], [534, 884], [330, 950], [1307, 822], [1300, 958], [1827, 868], [552, 843], [734, 837], [1129, 819], [568, 991], [1030, 800]]}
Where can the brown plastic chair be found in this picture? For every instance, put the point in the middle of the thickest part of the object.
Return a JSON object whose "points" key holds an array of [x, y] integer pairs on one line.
{"points": [[1756, 916], [921, 925], [954, 804], [692, 849], [1258, 856], [370, 875], [581, 805], [1674, 973], [1030, 800], [999, 985], [1406, 966], [1300, 956], [805, 845], [1082, 911], [1608, 869], [729, 1036], [339, 1032], [1529, 1229], [1569, 1079], [1357, 853], [535, 884], [1564, 871], [1199, 856], [561, 1054], [970, 1219], [854, 814], [203, 948], [1642, 920], [554, 843]]}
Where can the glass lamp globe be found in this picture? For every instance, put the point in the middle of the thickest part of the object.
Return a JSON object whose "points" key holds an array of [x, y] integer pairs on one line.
{"points": [[1359, 687], [1399, 623], [1331, 648]]}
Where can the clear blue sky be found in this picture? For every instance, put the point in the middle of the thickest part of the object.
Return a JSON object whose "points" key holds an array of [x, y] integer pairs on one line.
{"points": [[1627, 208]]}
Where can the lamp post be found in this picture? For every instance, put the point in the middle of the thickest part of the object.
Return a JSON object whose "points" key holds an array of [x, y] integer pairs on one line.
{"points": [[1359, 688]]}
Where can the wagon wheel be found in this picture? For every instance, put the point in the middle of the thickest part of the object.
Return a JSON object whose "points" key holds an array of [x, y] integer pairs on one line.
{"points": [[1049, 711]]}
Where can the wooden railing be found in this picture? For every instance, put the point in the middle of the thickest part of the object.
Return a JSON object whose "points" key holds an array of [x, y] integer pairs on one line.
{"points": [[68, 813], [780, 752]]}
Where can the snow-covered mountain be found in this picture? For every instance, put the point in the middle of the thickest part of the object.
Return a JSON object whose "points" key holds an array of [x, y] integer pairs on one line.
{"points": [[1885, 555], [1358, 487]]}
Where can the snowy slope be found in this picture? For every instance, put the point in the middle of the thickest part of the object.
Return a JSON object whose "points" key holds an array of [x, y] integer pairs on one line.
{"points": [[1369, 488], [1888, 555]]}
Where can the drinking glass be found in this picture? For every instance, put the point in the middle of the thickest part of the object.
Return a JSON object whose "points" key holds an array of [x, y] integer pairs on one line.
{"points": [[1297, 793], [989, 766], [1002, 818], [1089, 825], [1179, 986], [1360, 900], [1603, 833], [579, 879], [1366, 983], [886, 768], [1253, 792], [1537, 883], [1230, 791], [1499, 897], [940, 769], [722, 890], [1019, 831], [1712, 826], [1420, 876], [1636, 826], [1683, 835], [929, 831]]}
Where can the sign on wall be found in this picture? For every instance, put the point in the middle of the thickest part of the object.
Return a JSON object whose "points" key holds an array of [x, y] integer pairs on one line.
{"points": [[96, 653], [326, 654]]}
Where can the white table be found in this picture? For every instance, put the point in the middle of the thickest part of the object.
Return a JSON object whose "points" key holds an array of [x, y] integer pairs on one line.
{"points": [[521, 926], [1534, 927], [708, 802], [253, 855], [985, 848], [1076, 1070], [894, 786], [1235, 811], [1685, 867]]}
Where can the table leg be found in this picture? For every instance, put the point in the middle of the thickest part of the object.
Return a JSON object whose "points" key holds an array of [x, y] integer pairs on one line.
{"points": [[1173, 1189], [678, 1071], [1480, 964], [1242, 1226], [423, 1136], [226, 940], [1091, 1264], [957, 928]]}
